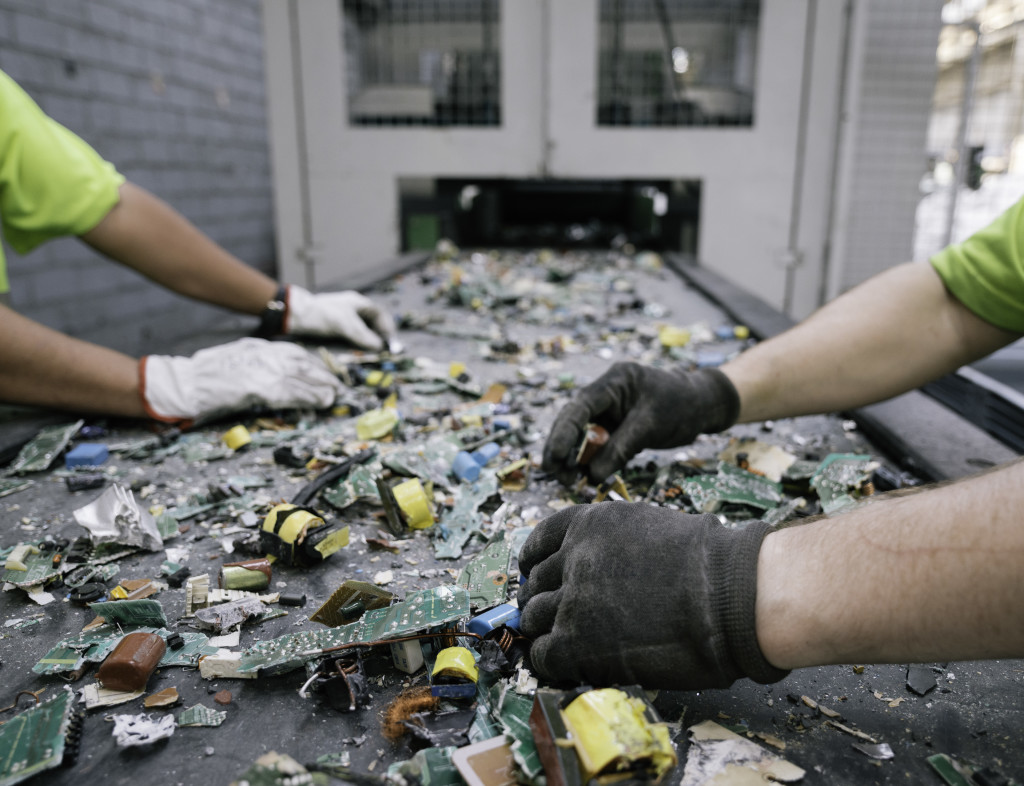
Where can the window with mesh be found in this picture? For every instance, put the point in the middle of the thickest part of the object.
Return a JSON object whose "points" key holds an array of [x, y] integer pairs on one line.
{"points": [[423, 62], [677, 62]]}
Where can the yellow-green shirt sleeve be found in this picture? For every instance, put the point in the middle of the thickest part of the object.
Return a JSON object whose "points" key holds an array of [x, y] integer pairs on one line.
{"points": [[986, 271], [52, 183]]}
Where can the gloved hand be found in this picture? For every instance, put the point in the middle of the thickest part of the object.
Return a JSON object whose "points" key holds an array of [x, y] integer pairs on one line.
{"points": [[235, 376], [625, 593], [347, 315], [642, 407]]}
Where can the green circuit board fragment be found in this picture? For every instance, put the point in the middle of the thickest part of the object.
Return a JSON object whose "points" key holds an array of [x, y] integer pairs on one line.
{"points": [[94, 645], [131, 612], [38, 563], [464, 519], [36, 740], [14, 485], [485, 576], [842, 480], [201, 715], [429, 767], [512, 711], [431, 461], [40, 453], [732, 486], [421, 611], [360, 485]]}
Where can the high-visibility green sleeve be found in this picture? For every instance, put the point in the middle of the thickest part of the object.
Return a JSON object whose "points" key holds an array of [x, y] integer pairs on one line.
{"points": [[52, 183], [986, 271]]}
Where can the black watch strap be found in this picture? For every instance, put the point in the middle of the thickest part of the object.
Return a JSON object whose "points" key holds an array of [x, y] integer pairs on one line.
{"points": [[273, 314]]}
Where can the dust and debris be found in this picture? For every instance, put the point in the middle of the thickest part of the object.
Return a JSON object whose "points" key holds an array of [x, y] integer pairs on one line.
{"points": [[544, 320]]}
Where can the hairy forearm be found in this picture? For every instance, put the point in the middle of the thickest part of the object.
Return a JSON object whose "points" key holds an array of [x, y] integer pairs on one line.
{"points": [[889, 335], [146, 234], [933, 576], [42, 367]]}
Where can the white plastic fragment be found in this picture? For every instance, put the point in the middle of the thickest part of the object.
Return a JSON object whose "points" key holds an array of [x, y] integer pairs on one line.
{"points": [[96, 696], [224, 664], [40, 596], [720, 756], [134, 730], [228, 640], [115, 517]]}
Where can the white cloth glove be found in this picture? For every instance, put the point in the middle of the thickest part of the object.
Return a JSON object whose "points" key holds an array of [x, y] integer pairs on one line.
{"points": [[236, 376], [347, 315]]}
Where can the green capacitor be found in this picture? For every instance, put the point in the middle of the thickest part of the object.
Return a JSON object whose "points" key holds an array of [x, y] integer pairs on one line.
{"points": [[251, 575]]}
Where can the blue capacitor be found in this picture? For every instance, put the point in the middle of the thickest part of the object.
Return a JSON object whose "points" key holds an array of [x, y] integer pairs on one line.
{"points": [[465, 467], [86, 454], [506, 614], [485, 453]]}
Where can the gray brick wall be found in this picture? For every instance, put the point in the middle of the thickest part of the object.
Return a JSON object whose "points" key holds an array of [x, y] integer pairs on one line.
{"points": [[172, 92]]}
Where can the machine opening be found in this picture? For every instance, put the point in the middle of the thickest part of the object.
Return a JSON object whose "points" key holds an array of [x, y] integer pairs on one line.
{"points": [[652, 214]]}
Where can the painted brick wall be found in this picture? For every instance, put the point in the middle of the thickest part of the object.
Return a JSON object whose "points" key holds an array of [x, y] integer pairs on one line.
{"points": [[172, 92]]}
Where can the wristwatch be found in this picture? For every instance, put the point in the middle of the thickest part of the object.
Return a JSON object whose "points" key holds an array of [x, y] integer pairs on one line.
{"points": [[273, 314]]}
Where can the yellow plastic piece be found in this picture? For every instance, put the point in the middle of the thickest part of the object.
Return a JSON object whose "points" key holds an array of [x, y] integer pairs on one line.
{"points": [[741, 332], [295, 526], [455, 368], [671, 336], [336, 540], [391, 402], [456, 662], [119, 593], [342, 411], [609, 730], [472, 420], [380, 379], [237, 437], [412, 500], [16, 559], [618, 485], [376, 424]]}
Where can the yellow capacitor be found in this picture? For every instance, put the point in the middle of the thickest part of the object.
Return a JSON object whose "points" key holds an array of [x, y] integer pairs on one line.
{"points": [[237, 437], [412, 500], [456, 662], [379, 379], [671, 336], [376, 424], [609, 730], [456, 368], [294, 527]]}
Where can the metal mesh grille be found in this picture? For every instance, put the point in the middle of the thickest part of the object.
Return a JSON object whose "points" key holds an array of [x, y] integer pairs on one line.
{"points": [[677, 62], [423, 63], [975, 142]]}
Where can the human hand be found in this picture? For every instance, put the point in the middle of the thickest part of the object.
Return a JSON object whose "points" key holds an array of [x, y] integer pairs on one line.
{"points": [[642, 407], [348, 315], [235, 376], [628, 593]]}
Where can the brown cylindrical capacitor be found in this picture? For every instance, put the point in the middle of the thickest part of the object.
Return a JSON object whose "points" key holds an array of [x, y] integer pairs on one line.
{"points": [[250, 575], [593, 440], [133, 661]]}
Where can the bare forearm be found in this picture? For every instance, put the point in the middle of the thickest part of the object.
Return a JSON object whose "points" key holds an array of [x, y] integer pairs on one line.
{"points": [[42, 367], [146, 234], [933, 576], [889, 335]]}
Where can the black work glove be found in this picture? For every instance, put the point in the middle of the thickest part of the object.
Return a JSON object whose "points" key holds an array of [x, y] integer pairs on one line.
{"points": [[626, 593], [642, 407]]}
